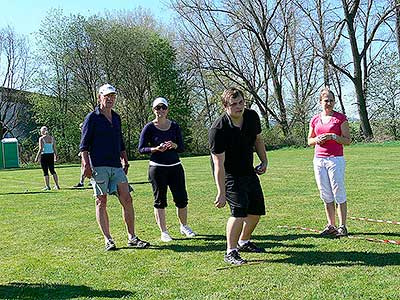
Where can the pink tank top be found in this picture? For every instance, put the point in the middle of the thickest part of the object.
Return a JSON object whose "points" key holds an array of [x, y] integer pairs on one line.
{"points": [[329, 148]]}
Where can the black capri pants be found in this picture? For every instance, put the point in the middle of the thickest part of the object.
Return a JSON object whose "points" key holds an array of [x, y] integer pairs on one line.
{"points": [[47, 163], [174, 177]]}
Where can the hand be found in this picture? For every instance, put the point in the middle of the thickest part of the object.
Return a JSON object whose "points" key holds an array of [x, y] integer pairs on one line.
{"points": [[220, 201], [170, 145], [261, 168], [125, 167], [161, 148], [55, 157], [322, 138], [87, 171]]}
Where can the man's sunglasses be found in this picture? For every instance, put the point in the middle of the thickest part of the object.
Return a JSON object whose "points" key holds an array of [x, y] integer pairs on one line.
{"points": [[162, 106]]}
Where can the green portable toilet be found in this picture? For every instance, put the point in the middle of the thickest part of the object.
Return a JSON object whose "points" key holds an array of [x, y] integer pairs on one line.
{"points": [[10, 153], [1, 157]]}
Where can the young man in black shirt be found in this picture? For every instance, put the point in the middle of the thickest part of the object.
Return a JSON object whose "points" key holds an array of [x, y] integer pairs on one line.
{"points": [[232, 139]]}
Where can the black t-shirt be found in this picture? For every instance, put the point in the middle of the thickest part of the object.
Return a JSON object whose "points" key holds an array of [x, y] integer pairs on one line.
{"points": [[238, 144]]}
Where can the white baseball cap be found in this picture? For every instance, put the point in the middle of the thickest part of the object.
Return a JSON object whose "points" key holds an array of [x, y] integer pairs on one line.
{"points": [[160, 100], [107, 89]]}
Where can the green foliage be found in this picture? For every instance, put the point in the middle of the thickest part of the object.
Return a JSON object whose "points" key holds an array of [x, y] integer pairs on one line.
{"points": [[81, 53], [54, 249]]}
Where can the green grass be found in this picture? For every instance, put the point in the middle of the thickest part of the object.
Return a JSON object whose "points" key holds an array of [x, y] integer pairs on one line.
{"points": [[51, 247]]}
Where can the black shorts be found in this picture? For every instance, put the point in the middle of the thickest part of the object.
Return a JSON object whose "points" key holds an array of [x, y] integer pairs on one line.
{"points": [[47, 163], [244, 195], [174, 177]]}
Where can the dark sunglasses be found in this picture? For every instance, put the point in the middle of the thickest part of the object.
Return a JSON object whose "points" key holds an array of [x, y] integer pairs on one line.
{"points": [[162, 106]]}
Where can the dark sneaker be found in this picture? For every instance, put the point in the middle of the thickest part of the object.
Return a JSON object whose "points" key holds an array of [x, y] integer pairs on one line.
{"points": [[329, 230], [234, 258], [138, 243], [78, 185], [110, 245], [251, 247], [342, 231]]}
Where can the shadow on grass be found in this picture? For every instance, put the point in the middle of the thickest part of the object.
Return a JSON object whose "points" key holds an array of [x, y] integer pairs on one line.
{"points": [[367, 234], [339, 258], [27, 192], [41, 291], [214, 243], [326, 258]]}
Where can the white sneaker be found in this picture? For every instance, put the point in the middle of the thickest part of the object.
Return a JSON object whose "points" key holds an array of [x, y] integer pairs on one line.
{"points": [[186, 230], [165, 237]]}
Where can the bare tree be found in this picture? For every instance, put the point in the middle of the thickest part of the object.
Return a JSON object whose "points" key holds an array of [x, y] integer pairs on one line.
{"points": [[241, 42], [16, 69]]}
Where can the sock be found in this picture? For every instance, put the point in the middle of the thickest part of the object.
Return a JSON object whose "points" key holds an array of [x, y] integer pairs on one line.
{"points": [[242, 242], [229, 250]]}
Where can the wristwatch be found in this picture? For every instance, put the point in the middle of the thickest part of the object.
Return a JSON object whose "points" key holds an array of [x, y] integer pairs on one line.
{"points": [[334, 136]]}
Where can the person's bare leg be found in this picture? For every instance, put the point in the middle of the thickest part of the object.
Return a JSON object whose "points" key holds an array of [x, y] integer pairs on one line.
{"points": [[330, 213], [182, 215], [102, 216], [128, 212], [159, 214], [46, 181], [233, 229], [342, 213], [55, 177], [249, 224]]}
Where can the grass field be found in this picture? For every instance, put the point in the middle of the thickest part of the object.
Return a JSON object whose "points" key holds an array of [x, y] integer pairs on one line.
{"points": [[51, 247]]}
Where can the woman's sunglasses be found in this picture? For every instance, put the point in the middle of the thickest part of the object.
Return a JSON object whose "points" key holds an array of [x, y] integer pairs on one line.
{"points": [[162, 106]]}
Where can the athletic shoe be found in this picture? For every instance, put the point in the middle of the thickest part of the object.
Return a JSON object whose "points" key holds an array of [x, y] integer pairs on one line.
{"points": [[342, 231], [56, 187], [234, 258], [329, 230], [250, 247], [138, 243], [110, 245], [165, 237], [186, 230], [78, 185], [46, 188]]}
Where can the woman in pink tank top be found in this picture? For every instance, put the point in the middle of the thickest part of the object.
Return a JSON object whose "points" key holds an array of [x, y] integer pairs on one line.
{"points": [[329, 131]]}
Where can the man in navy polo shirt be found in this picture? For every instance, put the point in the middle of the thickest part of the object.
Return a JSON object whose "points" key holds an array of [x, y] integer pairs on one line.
{"points": [[232, 139], [105, 161]]}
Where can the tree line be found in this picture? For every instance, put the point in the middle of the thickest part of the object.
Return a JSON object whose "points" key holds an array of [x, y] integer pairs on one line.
{"points": [[280, 52]]}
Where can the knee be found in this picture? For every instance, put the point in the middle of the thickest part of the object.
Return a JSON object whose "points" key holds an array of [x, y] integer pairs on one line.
{"points": [[126, 199], [181, 204], [101, 202]]}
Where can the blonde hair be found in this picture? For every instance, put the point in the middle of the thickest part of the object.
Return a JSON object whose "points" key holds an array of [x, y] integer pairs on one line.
{"points": [[44, 129]]}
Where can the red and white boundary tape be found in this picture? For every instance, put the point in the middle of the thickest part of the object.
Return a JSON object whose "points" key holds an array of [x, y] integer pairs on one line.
{"points": [[350, 236], [376, 221]]}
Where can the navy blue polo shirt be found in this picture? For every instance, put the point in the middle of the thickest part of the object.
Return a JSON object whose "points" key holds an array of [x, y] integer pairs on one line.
{"points": [[237, 143], [151, 136], [102, 139]]}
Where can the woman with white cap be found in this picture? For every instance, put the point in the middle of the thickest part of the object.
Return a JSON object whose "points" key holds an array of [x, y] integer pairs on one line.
{"points": [[162, 139]]}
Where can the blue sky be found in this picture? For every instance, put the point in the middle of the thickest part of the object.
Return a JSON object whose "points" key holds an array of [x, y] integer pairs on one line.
{"points": [[25, 15]]}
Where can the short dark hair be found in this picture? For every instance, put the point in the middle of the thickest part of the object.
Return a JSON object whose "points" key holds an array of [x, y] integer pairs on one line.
{"points": [[230, 93]]}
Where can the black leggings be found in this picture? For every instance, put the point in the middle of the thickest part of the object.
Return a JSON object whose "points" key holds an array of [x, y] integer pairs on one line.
{"points": [[47, 163]]}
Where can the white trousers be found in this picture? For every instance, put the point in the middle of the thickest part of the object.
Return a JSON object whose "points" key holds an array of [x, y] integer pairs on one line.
{"points": [[329, 175]]}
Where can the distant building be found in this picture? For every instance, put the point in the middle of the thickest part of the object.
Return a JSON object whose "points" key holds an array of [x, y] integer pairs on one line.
{"points": [[15, 113]]}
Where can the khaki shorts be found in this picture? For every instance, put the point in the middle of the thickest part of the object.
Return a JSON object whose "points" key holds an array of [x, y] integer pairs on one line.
{"points": [[105, 180]]}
